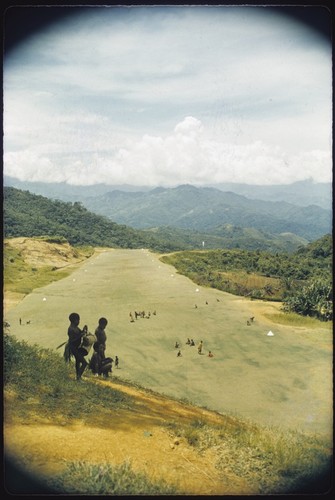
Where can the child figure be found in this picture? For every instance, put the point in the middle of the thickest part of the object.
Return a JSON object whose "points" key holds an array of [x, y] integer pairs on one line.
{"points": [[99, 364], [101, 335], [75, 335]]}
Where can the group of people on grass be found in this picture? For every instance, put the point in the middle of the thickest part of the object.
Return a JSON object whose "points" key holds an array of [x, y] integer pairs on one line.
{"points": [[192, 343], [140, 314], [80, 343]]}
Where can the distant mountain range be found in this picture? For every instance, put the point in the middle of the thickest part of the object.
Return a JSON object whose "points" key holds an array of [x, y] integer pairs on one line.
{"points": [[206, 210], [302, 193], [209, 210]]}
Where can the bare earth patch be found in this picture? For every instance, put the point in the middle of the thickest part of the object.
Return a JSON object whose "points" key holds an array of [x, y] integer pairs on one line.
{"points": [[140, 437], [39, 253]]}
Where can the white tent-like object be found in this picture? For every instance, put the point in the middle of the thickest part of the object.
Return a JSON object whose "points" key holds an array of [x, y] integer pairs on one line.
{"points": [[270, 334]]}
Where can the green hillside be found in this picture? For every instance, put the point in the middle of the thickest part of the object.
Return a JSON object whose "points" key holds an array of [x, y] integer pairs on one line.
{"points": [[229, 236], [207, 210], [30, 215], [303, 280]]}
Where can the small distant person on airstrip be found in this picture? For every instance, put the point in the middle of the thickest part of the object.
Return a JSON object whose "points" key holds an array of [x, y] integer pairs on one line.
{"points": [[210, 354], [200, 345]]}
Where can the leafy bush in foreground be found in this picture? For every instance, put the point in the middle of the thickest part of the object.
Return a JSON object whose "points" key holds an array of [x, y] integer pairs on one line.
{"points": [[315, 299]]}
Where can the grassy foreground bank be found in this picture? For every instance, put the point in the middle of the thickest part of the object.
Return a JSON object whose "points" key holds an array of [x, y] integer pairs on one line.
{"points": [[40, 388]]}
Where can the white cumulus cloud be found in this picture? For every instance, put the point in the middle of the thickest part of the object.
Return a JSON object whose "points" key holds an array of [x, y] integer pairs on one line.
{"points": [[163, 96], [187, 155]]}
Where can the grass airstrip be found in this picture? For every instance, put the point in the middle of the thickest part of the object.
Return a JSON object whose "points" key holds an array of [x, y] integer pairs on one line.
{"points": [[282, 380]]}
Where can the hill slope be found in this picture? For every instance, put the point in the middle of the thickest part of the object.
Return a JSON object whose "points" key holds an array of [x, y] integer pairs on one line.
{"points": [[207, 209], [27, 214]]}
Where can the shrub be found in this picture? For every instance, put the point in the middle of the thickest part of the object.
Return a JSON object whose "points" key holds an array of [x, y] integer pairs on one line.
{"points": [[315, 299], [105, 479]]}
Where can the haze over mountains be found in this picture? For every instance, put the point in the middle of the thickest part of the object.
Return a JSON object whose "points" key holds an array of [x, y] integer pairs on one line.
{"points": [[302, 193], [206, 209]]}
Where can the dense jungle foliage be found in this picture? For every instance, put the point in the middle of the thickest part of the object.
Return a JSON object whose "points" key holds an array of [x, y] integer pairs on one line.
{"points": [[303, 280], [30, 215]]}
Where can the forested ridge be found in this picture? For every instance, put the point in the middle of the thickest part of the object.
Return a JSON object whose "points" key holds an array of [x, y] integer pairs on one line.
{"points": [[208, 210], [30, 215]]}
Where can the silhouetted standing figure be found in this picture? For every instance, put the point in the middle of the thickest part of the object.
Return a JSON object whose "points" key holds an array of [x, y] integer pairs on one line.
{"points": [[101, 335], [75, 335]]}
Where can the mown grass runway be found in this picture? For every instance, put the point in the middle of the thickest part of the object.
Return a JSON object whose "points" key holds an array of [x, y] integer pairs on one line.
{"points": [[284, 380]]}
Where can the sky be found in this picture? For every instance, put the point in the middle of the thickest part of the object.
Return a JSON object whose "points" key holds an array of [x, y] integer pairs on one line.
{"points": [[168, 95]]}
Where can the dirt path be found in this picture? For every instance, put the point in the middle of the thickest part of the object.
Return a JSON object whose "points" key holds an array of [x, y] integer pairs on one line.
{"points": [[140, 437]]}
